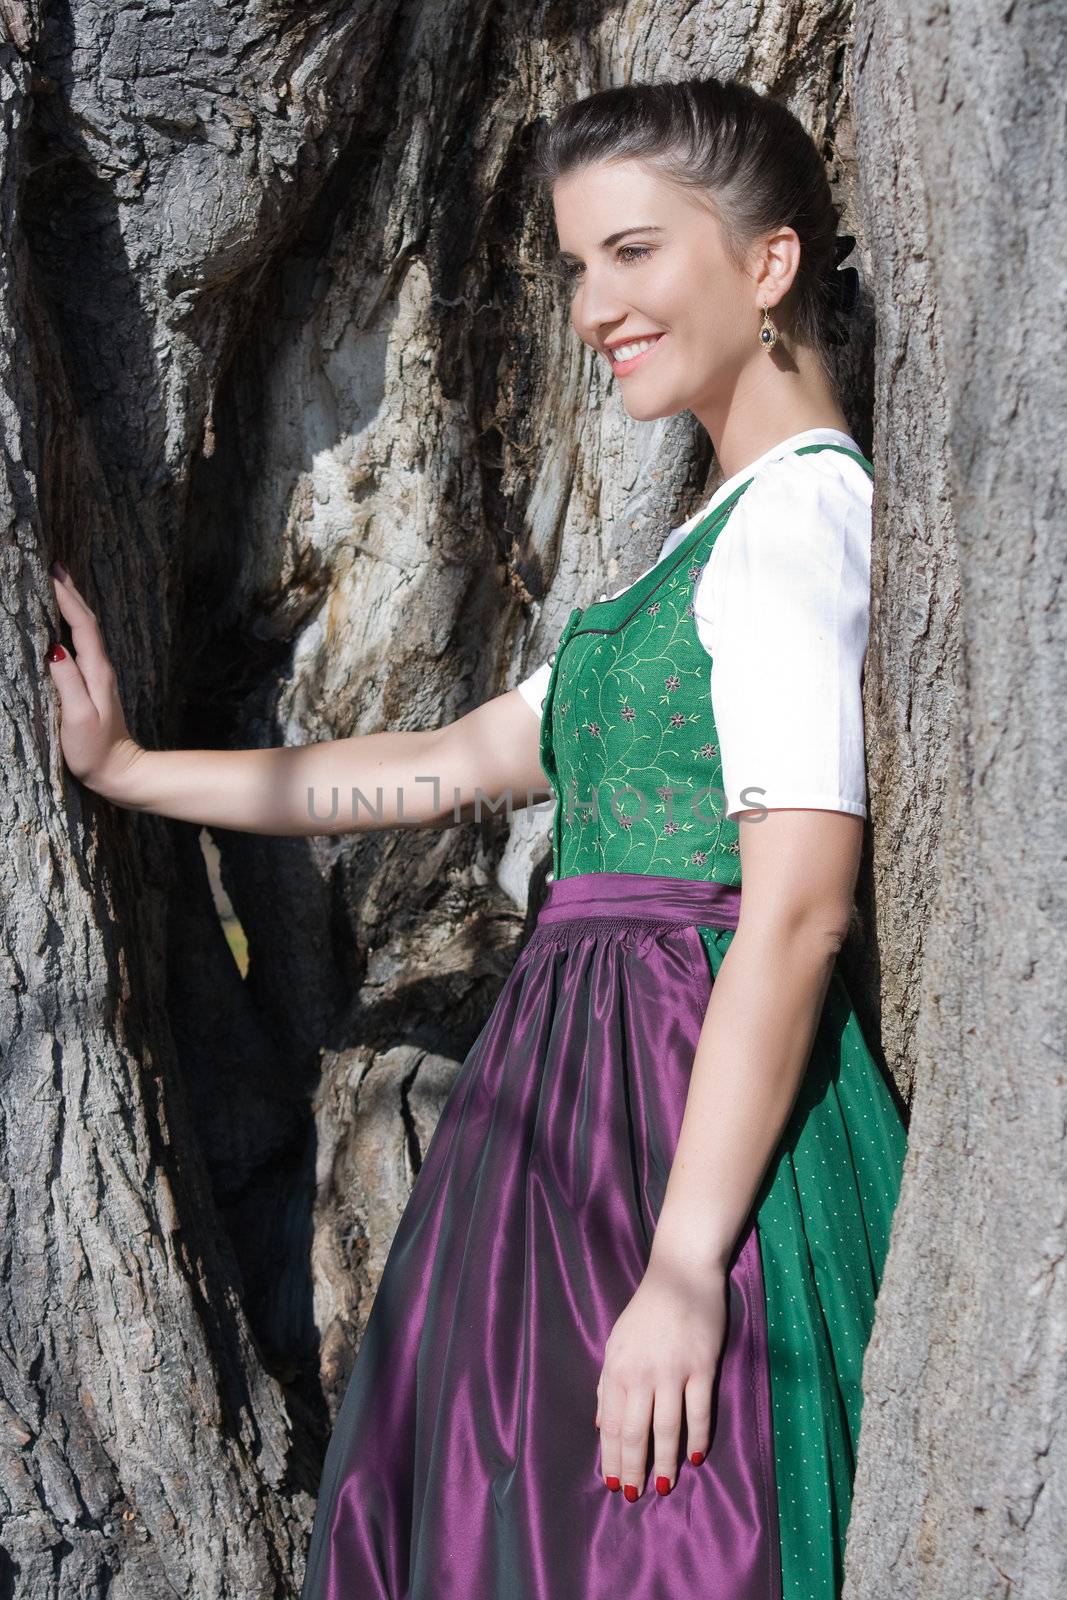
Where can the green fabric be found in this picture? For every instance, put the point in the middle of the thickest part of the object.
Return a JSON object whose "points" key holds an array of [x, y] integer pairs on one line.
{"points": [[627, 715], [629, 744], [823, 1214]]}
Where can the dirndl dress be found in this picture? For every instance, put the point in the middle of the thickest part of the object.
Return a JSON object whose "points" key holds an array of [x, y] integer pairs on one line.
{"points": [[464, 1463]]}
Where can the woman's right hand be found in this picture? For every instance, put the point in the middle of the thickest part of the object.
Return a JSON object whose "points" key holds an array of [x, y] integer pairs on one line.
{"points": [[96, 743]]}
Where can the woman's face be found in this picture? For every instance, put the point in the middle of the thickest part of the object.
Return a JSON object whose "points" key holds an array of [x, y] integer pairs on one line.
{"points": [[646, 260]]}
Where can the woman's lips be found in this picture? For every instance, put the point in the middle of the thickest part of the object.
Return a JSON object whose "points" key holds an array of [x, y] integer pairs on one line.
{"points": [[621, 368]]}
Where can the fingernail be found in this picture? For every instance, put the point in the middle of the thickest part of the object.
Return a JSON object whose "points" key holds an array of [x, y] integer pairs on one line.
{"points": [[58, 570], [663, 1485], [630, 1491], [56, 652], [613, 1484], [697, 1457]]}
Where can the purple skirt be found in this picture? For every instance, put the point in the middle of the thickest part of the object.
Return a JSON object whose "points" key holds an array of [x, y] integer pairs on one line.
{"points": [[464, 1463]]}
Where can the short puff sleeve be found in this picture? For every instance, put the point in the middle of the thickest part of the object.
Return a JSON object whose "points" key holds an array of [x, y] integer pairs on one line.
{"points": [[534, 688], [782, 606]]}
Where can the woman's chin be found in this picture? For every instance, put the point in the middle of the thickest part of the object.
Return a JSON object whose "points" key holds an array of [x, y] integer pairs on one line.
{"points": [[650, 410]]}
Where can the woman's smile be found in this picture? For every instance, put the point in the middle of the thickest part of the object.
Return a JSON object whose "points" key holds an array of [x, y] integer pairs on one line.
{"points": [[627, 356]]}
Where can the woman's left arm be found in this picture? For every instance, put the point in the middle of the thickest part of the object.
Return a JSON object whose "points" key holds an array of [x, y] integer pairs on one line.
{"points": [[799, 871]]}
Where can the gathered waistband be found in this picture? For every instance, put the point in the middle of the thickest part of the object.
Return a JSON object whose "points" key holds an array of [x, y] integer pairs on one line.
{"points": [[674, 901]]}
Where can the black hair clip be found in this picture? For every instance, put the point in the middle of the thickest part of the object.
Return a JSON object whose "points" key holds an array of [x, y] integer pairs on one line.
{"points": [[844, 245]]}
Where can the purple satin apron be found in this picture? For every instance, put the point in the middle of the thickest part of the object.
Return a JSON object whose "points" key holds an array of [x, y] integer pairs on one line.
{"points": [[464, 1463]]}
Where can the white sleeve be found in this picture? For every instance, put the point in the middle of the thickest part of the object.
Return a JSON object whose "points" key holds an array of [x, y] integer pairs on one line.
{"points": [[782, 607], [534, 687]]}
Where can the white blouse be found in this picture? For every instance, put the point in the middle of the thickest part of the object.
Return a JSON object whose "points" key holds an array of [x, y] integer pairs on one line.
{"points": [[782, 608]]}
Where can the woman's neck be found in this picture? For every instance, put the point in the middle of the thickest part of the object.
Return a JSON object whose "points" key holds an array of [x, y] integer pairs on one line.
{"points": [[777, 396]]}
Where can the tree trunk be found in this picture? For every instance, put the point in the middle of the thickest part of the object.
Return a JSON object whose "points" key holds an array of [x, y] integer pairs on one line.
{"points": [[289, 385], [961, 1486]]}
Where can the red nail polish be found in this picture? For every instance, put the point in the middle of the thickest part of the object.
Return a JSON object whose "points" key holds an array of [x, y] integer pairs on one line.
{"points": [[613, 1484], [697, 1457], [56, 652], [630, 1491], [663, 1485]]}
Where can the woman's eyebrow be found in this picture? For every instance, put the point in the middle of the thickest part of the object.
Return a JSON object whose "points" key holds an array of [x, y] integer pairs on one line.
{"points": [[613, 238]]}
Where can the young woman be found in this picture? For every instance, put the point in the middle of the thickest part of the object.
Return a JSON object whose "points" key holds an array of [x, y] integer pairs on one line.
{"points": [[658, 1199]]}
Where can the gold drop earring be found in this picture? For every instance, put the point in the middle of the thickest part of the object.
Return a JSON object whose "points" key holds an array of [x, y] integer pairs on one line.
{"points": [[768, 334]]}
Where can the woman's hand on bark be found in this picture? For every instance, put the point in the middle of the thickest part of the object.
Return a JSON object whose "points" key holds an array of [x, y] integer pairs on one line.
{"points": [[96, 743]]}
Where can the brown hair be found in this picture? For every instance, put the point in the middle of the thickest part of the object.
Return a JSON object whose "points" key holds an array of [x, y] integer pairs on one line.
{"points": [[756, 164]]}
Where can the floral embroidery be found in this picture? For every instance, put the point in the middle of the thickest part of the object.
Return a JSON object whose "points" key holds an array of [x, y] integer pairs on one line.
{"points": [[655, 802]]}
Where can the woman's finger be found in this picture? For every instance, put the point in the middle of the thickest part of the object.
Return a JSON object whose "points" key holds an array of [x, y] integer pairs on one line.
{"points": [[698, 1418], [95, 668], [75, 702], [666, 1433], [636, 1422], [612, 1404]]}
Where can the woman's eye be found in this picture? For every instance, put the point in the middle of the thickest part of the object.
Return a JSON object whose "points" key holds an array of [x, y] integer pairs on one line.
{"points": [[627, 254]]}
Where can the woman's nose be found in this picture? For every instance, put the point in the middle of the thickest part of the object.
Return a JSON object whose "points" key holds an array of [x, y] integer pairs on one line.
{"points": [[597, 311]]}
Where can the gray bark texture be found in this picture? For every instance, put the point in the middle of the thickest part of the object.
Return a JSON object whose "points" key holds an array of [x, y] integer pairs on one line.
{"points": [[961, 1486], [287, 381]]}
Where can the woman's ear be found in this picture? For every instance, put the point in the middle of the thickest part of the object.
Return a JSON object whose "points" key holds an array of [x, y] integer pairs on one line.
{"points": [[776, 263]]}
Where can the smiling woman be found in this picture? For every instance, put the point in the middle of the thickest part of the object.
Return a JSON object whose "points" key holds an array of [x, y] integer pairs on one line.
{"points": [[711, 202], [657, 1201]]}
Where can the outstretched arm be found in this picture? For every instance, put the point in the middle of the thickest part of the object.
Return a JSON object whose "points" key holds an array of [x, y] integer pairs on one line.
{"points": [[483, 761]]}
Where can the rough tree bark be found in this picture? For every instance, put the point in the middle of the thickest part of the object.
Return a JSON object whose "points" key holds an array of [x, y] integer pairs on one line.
{"points": [[289, 386], [961, 1486]]}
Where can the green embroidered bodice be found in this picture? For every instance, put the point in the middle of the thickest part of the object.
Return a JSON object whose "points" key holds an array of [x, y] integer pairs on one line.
{"points": [[628, 738]]}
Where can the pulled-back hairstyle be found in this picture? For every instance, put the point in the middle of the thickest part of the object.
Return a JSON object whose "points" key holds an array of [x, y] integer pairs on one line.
{"points": [[754, 164]]}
